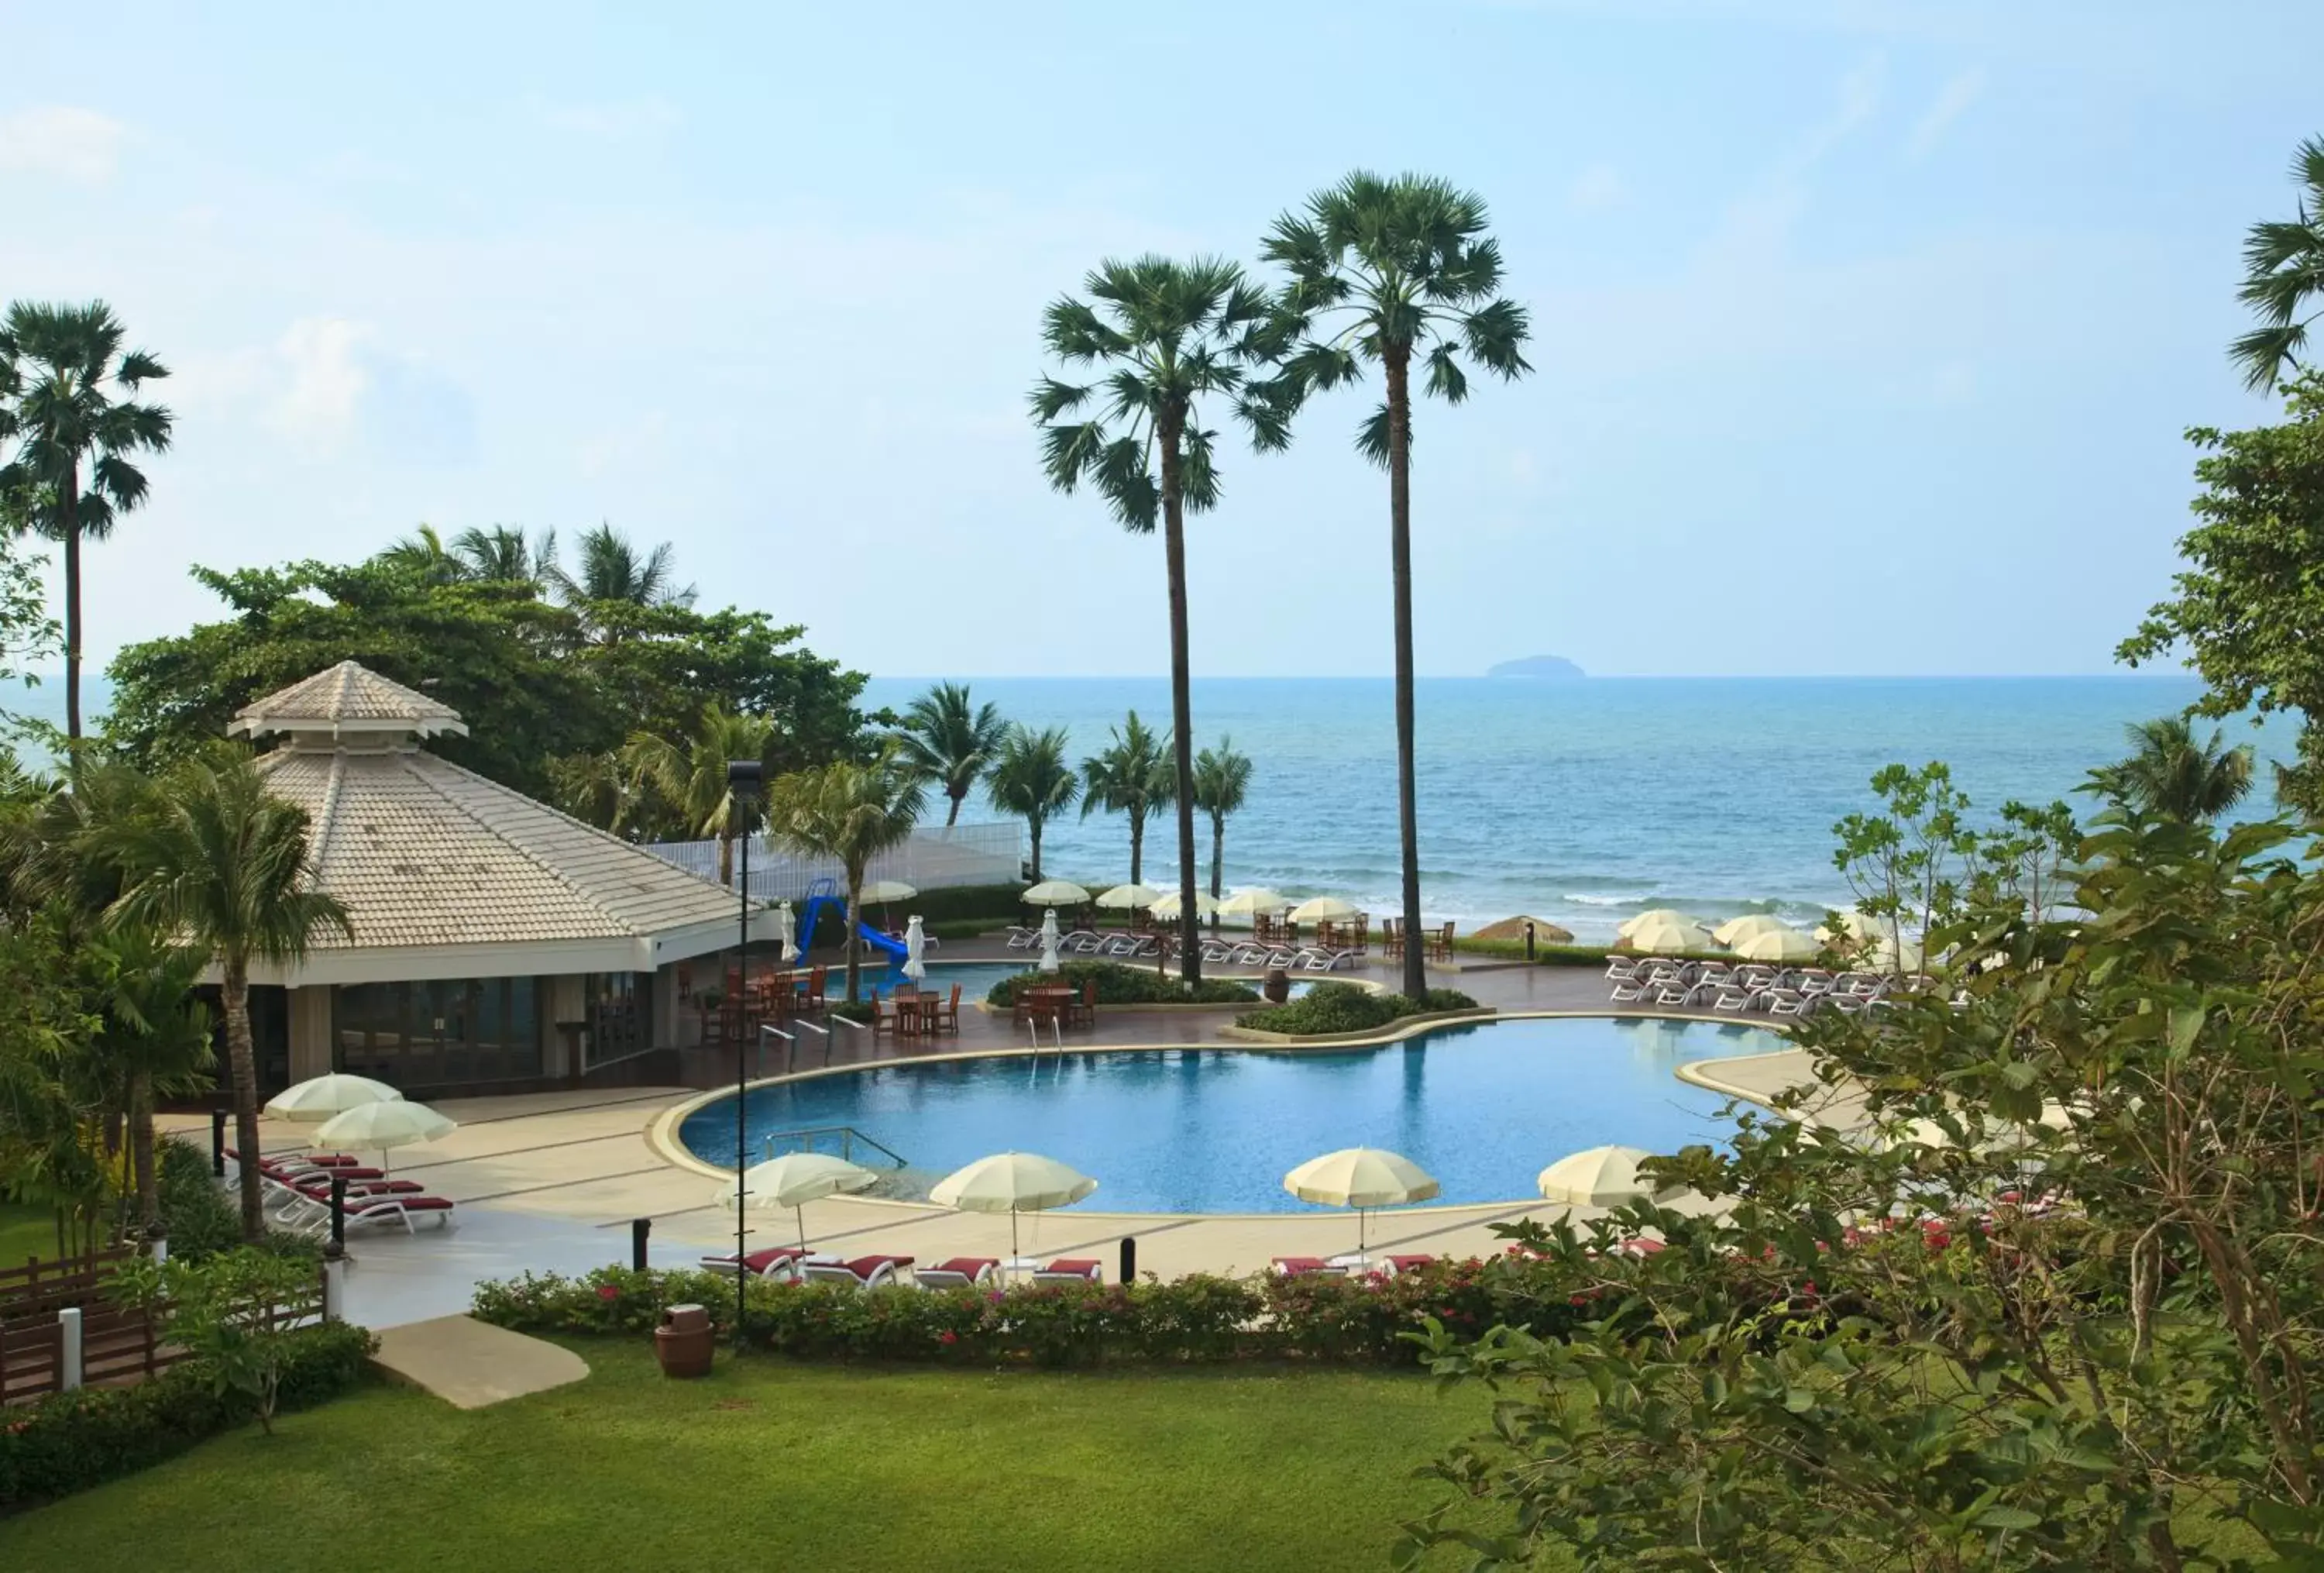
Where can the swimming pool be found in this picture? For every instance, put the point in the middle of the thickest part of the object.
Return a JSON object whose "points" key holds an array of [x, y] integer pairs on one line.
{"points": [[1484, 1108]]}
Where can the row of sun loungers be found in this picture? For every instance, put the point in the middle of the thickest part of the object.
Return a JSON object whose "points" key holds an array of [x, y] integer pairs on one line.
{"points": [[1748, 988], [1351, 1265], [1089, 942], [796, 1265], [1218, 952], [299, 1194]]}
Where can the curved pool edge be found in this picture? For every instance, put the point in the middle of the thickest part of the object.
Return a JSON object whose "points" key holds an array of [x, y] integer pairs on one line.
{"points": [[661, 1131]]}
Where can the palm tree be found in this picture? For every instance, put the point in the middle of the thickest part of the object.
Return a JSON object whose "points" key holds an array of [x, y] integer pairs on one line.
{"points": [[154, 1036], [1134, 776], [503, 554], [1029, 777], [1389, 270], [1172, 333], [691, 775], [1221, 780], [611, 569], [424, 555], [595, 789], [951, 740], [2283, 273], [222, 865], [59, 360], [851, 813], [2173, 774]]}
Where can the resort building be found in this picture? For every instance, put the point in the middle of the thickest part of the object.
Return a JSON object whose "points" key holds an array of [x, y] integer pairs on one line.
{"points": [[495, 940]]}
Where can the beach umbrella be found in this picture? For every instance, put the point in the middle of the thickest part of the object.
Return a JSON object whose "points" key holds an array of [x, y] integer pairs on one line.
{"points": [[1128, 896], [1055, 893], [1777, 944], [887, 889], [1654, 915], [1323, 910], [1860, 926], [1544, 931], [1167, 905], [1600, 1177], [1252, 900], [786, 933], [916, 945], [1735, 931], [1050, 940], [318, 1097], [1898, 956], [1664, 934], [1011, 1183], [1362, 1178], [383, 1125], [796, 1179]]}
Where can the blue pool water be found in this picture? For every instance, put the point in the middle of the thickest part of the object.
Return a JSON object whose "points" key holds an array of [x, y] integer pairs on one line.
{"points": [[976, 978], [1484, 1108]]}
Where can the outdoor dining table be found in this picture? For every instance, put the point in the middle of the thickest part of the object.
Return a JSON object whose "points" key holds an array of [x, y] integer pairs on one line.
{"points": [[916, 1010]]}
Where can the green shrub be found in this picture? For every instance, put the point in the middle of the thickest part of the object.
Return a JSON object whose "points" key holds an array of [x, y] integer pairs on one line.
{"points": [[1128, 985], [1337, 1010], [73, 1440], [201, 1219]]}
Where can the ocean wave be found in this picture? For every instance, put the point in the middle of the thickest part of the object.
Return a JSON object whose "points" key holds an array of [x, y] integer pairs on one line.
{"points": [[1592, 898]]}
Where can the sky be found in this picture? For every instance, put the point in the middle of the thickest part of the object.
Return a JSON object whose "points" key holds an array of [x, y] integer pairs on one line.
{"points": [[1865, 334]]}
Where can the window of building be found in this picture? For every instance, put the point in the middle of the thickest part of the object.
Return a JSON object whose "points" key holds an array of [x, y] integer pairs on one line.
{"points": [[439, 1031]]}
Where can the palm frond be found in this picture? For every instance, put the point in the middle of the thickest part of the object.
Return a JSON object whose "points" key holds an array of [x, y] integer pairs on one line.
{"points": [[1372, 440], [1445, 379]]}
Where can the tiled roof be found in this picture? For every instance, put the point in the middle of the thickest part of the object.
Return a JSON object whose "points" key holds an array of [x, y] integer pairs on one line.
{"points": [[422, 852], [347, 696]]}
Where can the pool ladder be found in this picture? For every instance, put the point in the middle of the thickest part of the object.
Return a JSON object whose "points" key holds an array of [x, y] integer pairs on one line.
{"points": [[848, 1137], [1055, 1025]]}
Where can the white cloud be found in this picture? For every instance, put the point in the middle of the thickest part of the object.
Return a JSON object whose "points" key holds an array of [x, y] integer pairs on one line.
{"points": [[322, 359], [1955, 97], [626, 121], [1595, 187], [74, 145]]}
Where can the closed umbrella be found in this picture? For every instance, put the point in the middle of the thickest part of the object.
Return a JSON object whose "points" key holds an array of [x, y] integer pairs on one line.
{"points": [[318, 1097], [1167, 905], [1129, 897], [1050, 940], [1055, 893], [1251, 902], [1735, 931], [1323, 910], [1011, 1183], [1777, 944], [1361, 1178], [1654, 915], [1665, 935], [796, 1179], [383, 1125], [916, 945], [787, 933], [1600, 1177]]}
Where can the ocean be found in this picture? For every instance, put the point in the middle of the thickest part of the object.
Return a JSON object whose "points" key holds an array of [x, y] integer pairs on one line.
{"points": [[1583, 802]]}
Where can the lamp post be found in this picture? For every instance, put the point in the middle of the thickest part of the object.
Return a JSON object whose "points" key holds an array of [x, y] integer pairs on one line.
{"points": [[744, 779]]}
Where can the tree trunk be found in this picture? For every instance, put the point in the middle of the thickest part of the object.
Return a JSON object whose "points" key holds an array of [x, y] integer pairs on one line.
{"points": [[1218, 861], [243, 1061], [847, 930], [726, 861], [1136, 845], [1398, 361], [1035, 825], [953, 816], [68, 526], [141, 1154], [1182, 705]]}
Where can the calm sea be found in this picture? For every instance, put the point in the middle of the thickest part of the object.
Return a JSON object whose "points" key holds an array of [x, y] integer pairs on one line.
{"points": [[1583, 802]]}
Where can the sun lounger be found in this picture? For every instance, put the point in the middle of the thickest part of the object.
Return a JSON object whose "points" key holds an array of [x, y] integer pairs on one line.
{"points": [[777, 1262], [1630, 992], [1023, 938], [1406, 1263], [1620, 969], [863, 1272], [1070, 1269], [1307, 1267], [959, 1272]]}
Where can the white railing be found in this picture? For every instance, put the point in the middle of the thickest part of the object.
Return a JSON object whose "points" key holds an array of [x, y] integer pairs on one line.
{"points": [[934, 858]]}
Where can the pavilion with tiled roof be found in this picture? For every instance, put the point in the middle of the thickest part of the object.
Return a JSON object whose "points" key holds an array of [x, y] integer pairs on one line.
{"points": [[494, 938]]}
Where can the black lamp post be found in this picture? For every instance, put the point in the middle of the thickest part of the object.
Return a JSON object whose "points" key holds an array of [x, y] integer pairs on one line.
{"points": [[744, 779]]}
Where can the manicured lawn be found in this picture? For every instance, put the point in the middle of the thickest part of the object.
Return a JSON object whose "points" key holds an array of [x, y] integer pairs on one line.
{"points": [[26, 1231], [773, 1464]]}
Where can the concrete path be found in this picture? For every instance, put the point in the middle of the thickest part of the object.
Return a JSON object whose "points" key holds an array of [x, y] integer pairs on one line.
{"points": [[470, 1363]]}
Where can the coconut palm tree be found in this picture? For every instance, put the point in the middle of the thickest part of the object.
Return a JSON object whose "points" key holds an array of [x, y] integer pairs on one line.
{"points": [[2283, 275], [611, 569], [595, 789], [1391, 271], [852, 813], [689, 774], [1136, 775], [1221, 780], [503, 554], [951, 740], [424, 555], [73, 404], [155, 1037], [221, 864], [1165, 335], [2173, 774], [1031, 777]]}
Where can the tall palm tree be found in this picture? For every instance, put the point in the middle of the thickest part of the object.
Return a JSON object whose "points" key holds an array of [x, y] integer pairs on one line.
{"points": [[2173, 774], [2284, 274], [611, 567], [1165, 336], [222, 865], [689, 774], [1135, 775], [851, 813], [1222, 782], [595, 789], [424, 554], [1031, 777], [154, 1036], [503, 553], [1387, 270], [951, 739], [74, 403]]}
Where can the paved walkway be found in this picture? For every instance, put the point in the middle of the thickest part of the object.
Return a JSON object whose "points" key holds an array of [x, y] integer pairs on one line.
{"points": [[470, 1363]]}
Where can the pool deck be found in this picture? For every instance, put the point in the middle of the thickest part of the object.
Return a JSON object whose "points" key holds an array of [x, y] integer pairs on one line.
{"points": [[551, 1180]]}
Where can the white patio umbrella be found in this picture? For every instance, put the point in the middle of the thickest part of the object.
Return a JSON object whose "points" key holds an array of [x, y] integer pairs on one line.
{"points": [[1858, 926], [1128, 896], [916, 945], [383, 1125], [1050, 940], [1361, 1178], [1600, 1177], [1777, 944], [887, 889], [1250, 901], [786, 933], [1735, 931], [1666, 935], [318, 1097], [1167, 905], [1652, 916], [796, 1179], [1055, 893], [1011, 1183], [1899, 955], [1324, 909]]}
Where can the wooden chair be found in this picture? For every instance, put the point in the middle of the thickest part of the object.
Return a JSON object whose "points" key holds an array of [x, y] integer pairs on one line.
{"points": [[1083, 1012], [946, 1017], [1363, 933], [1392, 938], [815, 985], [881, 1022], [1439, 948]]}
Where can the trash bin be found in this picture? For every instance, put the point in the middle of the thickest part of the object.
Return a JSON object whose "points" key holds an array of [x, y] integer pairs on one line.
{"points": [[685, 1341], [1275, 986]]}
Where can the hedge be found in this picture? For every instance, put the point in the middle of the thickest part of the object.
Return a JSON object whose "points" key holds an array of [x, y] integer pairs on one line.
{"points": [[70, 1441], [200, 1218], [1200, 1319], [1340, 1009], [1127, 986]]}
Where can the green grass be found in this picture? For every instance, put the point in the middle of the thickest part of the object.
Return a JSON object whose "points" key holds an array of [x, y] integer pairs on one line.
{"points": [[775, 1463], [26, 1231]]}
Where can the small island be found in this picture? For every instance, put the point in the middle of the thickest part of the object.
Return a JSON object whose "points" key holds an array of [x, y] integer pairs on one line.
{"points": [[1555, 666]]}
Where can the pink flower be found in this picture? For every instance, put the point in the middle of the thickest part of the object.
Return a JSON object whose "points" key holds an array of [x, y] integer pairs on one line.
{"points": [[947, 1337]]}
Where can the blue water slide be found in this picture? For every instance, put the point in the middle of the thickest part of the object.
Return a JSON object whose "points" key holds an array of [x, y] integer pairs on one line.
{"points": [[814, 909]]}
